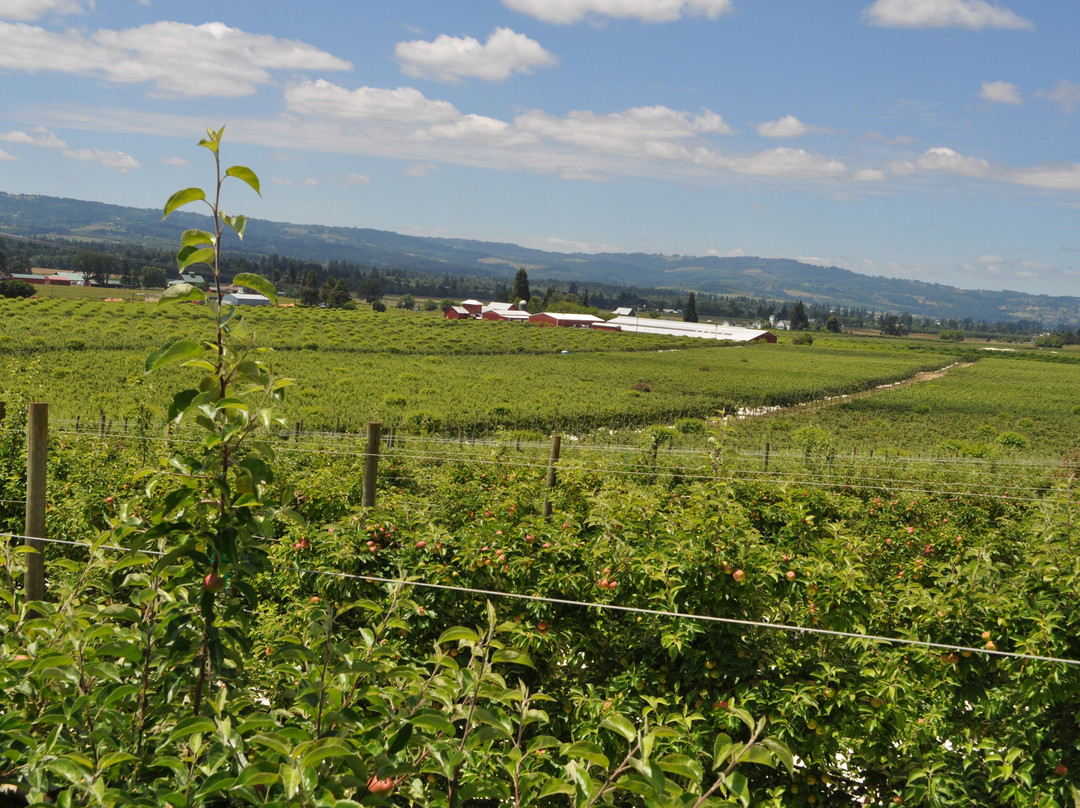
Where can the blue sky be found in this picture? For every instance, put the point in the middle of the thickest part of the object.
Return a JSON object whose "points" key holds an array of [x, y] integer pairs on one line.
{"points": [[927, 139]]}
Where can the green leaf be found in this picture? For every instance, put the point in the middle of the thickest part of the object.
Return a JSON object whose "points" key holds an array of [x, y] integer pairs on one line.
{"points": [[115, 759], [181, 401], [246, 174], [542, 742], [191, 725], [237, 223], [512, 655], [271, 740], [249, 280], [196, 238], [621, 725], [434, 722], [181, 293], [254, 776], [682, 766], [783, 754], [323, 750], [177, 352], [721, 750], [181, 198], [739, 787], [212, 141], [195, 255], [586, 751], [401, 737], [456, 633], [555, 786]]}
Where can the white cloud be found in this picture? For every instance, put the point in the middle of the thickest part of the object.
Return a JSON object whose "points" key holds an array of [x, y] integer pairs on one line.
{"points": [[564, 12], [280, 181], [119, 160], [39, 136], [783, 162], [736, 253], [420, 169], [1052, 177], [403, 105], [230, 63], [5, 156], [1000, 92], [1065, 94], [788, 126], [30, 10], [310, 182], [990, 259], [453, 58], [43, 138], [563, 245], [655, 130], [973, 14], [357, 179], [1048, 176], [869, 175], [472, 128], [179, 162], [944, 159]]}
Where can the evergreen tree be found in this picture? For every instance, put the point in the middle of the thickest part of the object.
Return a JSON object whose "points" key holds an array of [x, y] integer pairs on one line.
{"points": [[340, 297], [521, 286], [690, 314], [833, 324], [327, 289], [799, 320], [309, 295]]}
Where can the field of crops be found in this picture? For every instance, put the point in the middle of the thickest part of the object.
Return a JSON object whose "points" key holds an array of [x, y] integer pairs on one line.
{"points": [[422, 373], [694, 623]]}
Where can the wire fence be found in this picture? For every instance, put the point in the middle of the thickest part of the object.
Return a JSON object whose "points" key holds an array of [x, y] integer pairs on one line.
{"points": [[628, 609]]}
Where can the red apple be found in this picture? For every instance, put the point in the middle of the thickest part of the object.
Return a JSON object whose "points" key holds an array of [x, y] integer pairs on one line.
{"points": [[213, 582], [383, 785], [1061, 770], [739, 576], [790, 575]]}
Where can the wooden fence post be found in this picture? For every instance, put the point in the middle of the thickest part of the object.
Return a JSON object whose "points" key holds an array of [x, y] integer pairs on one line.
{"points": [[766, 455], [555, 441], [37, 448], [371, 463], [3, 411]]}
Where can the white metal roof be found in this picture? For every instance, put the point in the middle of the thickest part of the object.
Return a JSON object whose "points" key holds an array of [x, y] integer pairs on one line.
{"points": [[677, 328]]}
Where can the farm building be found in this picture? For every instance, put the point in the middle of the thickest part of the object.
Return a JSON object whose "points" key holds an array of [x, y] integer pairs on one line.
{"points": [[245, 299], [473, 306], [677, 328], [510, 314], [198, 281], [562, 320], [456, 313]]}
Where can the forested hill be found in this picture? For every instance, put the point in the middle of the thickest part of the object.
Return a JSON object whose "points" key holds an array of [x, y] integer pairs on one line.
{"points": [[49, 218]]}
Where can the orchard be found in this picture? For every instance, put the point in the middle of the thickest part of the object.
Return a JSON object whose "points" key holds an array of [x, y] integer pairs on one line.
{"points": [[234, 627]]}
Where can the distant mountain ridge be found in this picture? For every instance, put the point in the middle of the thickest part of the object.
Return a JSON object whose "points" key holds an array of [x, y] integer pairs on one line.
{"points": [[774, 278]]}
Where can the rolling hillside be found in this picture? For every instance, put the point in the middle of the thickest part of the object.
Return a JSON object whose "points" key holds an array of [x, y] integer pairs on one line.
{"points": [[781, 279]]}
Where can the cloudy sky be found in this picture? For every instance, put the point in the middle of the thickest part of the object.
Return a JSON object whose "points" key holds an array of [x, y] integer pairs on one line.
{"points": [[927, 139]]}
